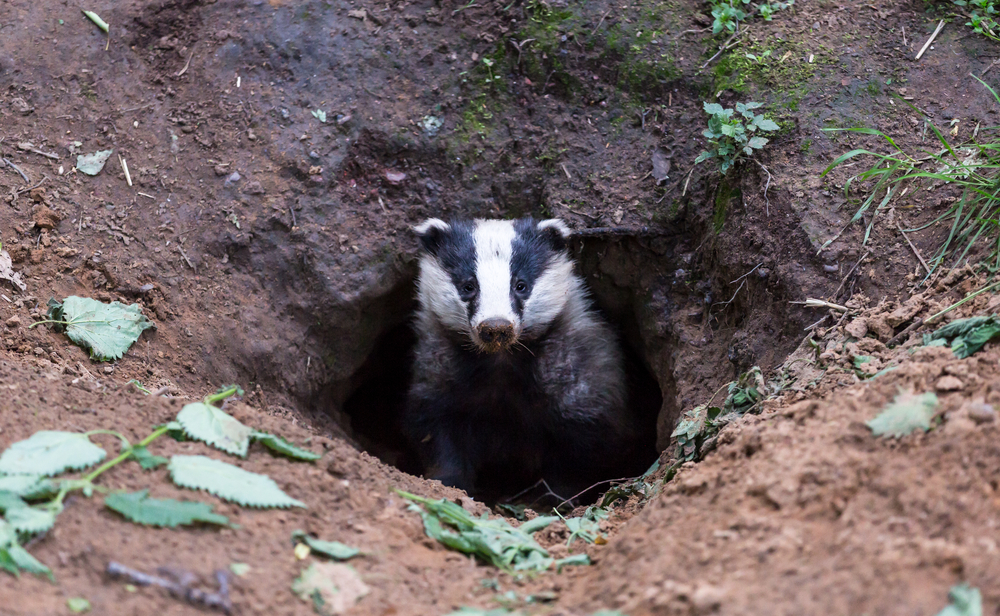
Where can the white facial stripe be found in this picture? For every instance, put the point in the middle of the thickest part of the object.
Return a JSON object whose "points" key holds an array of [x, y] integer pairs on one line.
{"points": [[549, 295], [437, 293], [494, 246]]}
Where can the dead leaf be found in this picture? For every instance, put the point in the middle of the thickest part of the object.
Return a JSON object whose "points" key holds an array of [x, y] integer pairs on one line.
{"points": [[332, 588], [7, 271], [661, 164]]}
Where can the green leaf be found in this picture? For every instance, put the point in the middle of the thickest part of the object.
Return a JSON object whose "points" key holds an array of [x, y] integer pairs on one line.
{"points": [[239, 569], [704, 156], [24, 560], [765, 124], [50, 452], [78, 605], [279, 445], [7, 562], [333, 549], [9, 500], [106, 330], [228, 482], [728, 130], [91, 164], [30, 487], [714, 109], [750, 106], [30, 520], [576, 559], [493, 540], [139, 508], [966, 335], [965, 601], [904, 414], [758, 142], [212, 425], [145, 459], [320, 115], [536, 524], [100, 23]]}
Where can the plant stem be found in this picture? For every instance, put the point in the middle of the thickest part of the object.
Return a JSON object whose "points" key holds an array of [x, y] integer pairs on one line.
{"points": [[961, 301], [222, 394], [88, 479]]}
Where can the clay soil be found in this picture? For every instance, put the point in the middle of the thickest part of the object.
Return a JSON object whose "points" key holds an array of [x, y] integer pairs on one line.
{"points": [[272, 249]]}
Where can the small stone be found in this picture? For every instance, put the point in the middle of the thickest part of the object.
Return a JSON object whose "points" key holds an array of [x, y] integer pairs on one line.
{"points": [[14, 321], [949, 383], [220, 170], [981, 413], [45, 218], [108, 369], [254, 188], [857, 328], [39, 351]]}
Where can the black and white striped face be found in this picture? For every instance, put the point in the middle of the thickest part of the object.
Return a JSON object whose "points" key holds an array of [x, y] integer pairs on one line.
{"points": [[496, 281]]}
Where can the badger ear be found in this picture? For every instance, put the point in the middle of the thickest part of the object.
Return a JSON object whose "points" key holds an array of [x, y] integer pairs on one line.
{"points": [[432, 233], [555, 232]]}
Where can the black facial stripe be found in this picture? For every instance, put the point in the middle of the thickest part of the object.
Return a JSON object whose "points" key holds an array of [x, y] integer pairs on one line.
{"points": [[531, 252], [457, 256]]}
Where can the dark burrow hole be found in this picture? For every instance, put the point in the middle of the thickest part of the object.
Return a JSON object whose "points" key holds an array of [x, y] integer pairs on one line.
{"points": [[379, 387]]}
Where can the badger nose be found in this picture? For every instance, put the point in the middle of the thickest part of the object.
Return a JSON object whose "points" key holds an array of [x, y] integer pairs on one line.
{"points": [[496, 333]]}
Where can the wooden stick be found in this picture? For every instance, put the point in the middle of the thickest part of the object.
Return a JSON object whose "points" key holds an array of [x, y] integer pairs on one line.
{"points": [[913, 248], [188, 63], [930, 40]]}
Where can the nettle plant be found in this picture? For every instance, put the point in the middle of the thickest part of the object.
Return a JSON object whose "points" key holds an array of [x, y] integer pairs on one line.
{"points": [[733, 136], [982, 16], [728, 14], [33, 488]]}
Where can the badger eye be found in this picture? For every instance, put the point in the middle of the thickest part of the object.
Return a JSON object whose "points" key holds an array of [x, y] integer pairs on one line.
{"points": [[469, 288], [520, 287]]}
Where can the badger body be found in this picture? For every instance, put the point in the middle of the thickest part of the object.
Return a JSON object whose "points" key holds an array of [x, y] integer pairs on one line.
{"points": [[515, 377]]}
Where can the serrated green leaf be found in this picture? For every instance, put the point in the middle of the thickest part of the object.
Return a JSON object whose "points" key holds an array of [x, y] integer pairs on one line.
{"points": [[91, 164], [106, 330], [279, 445], [965, 601], [78, 605], [906, 413], [750, 106], [145, 459], [228, 482], [139, 508], [50, 452], [29, 487], [212, 425], [9, 500], [7, 562], [765, 124], [713, 109], [30, 520], [334, 549], [758, 142], [24, 560]]}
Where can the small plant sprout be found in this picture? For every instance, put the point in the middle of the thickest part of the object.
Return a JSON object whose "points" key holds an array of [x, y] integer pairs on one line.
{"points": [[31, 497], [732, 136], [488, 63], [982, 17]]}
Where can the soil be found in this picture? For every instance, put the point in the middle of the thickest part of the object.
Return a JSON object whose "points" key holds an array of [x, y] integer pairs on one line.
{"points": [[272, 249]]}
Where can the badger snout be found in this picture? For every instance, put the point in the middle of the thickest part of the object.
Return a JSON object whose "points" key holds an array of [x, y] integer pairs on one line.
{"points": [[496, 334]]}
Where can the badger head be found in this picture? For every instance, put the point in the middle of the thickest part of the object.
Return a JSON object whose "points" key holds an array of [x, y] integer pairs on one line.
{"points": [[495, 281]]}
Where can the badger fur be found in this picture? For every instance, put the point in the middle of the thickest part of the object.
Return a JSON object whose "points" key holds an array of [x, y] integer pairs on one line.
{"points": [[515, 377]]}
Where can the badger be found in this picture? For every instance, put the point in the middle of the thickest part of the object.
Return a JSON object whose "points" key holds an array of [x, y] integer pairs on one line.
{"points": [[516, 378]]}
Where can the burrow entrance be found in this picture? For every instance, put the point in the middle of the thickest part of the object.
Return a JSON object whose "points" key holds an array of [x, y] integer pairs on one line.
{"points": [[628, 277]]}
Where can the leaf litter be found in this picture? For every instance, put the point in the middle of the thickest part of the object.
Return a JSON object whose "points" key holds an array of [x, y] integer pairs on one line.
{"points": [[493, 540], [333, 549], [332, 588]]}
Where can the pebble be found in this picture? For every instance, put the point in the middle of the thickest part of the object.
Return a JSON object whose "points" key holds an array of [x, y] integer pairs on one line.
{"points": [[981, 413], [949, 383], [14, 321]]}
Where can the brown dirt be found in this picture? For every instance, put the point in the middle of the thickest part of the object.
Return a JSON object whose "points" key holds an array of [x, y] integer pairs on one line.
{"points": [[296, 281]]}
